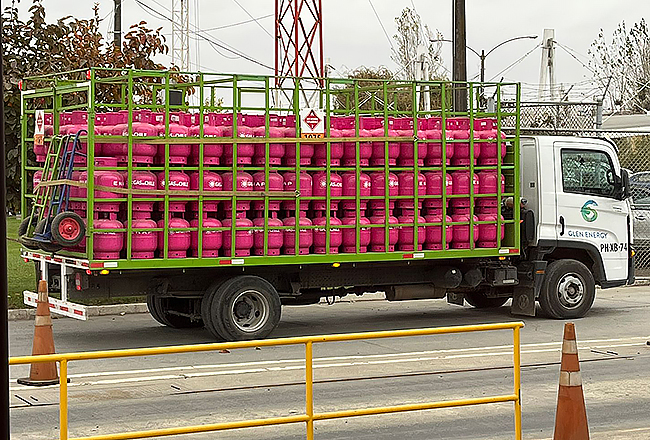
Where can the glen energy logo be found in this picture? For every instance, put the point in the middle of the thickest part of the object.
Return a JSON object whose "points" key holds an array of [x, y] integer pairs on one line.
{"points": [[588, 211]]}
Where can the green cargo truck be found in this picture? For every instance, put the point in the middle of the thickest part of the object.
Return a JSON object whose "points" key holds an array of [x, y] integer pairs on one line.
{"points": [[223, 197]]}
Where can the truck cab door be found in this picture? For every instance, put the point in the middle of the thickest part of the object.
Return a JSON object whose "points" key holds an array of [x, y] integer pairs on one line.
{"points": [[591, 214]]}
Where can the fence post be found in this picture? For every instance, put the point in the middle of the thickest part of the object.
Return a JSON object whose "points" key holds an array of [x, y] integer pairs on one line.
{"points": [[599, 114]]}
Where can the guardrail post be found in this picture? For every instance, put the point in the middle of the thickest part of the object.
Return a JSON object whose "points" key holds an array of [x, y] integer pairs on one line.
{"points": [[517, 375], [63, 399], [309, 389]]}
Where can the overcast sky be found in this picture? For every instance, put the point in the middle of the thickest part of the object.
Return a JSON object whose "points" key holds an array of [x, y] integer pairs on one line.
{"points": [[353, 35]]}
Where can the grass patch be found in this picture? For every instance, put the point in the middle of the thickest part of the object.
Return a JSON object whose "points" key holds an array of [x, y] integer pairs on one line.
{"points": [[22, 276]]}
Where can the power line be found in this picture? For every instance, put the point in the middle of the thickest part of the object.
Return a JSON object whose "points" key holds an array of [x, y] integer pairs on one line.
{"points": [[382, 26], [213, 41], [515, 63], [238, 23], [253, 18]]}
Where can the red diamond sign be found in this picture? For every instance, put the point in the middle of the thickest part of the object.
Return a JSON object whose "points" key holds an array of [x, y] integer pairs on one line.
{"points": [[312, 123]]}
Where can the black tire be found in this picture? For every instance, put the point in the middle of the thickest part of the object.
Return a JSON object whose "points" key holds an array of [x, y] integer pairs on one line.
{"points": [[479, 300], [45, 246], [243, 308], [153, 310], [68, 229], [206, 303], [162, 310], [23, 229], [568, 291]]}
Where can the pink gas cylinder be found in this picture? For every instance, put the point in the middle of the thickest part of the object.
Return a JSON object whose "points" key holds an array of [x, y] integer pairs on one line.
{"points": [[179, 182], [350, 234], [245, 151], [145, 242], [336, 148], [178, 242], [306, 185], [461, 184], [319, 189], [461, 233], [79, 121], [211, 152], [460, 130], [305, 237], [487, 232], [378, 188], [350, 189], [378, 157], [179, 124], [407, 188], [276, 150], [65, 121], [142, 126], [306, 149], [486, 129], [405, 236], [275, 236], [404, 128], [378, 235], [244, 184], [374, 127], [320, 234], [107, 245], [276, 184], [104, 178], [117, 125], [144, 181], [488, 185], [37, 178], [211, 182], [347, 125], [243, 238], [78, 206], [212, 240], [434, 188], [433, 234], [434, 149]]}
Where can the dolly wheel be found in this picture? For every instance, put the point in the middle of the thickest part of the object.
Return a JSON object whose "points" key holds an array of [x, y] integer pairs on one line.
{"points": [[68, 229]]}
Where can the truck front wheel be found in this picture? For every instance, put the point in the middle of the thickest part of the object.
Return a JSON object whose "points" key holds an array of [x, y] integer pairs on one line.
{"points": [[568, 291], [242, 308]]}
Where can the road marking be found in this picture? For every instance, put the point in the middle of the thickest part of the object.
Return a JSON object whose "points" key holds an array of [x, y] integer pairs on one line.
{"points": [[325, 362]]}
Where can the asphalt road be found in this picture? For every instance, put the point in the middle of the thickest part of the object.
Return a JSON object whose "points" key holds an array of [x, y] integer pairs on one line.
{"points": [[108, 396]]}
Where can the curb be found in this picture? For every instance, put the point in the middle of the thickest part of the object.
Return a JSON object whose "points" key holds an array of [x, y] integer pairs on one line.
{"points": [[113, 309]]}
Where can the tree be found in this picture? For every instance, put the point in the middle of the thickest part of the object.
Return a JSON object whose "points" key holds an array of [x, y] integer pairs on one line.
{"points": [[414, 47], [37, 47], [623, 66]]}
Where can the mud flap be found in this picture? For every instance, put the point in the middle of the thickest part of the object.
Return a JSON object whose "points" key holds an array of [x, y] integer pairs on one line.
{"points": [[530, 285], [523, 301], [455, 298]]}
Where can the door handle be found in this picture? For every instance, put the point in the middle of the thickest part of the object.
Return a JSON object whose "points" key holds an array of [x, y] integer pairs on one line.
{"points": [[617, 208], [562, 224]]}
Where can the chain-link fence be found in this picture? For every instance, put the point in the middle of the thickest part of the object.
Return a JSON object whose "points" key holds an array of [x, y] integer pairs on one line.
{"points": [[555, 115]]}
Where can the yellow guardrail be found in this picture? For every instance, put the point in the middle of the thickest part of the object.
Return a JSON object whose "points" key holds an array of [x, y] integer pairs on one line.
{"points": [[309, 417]]}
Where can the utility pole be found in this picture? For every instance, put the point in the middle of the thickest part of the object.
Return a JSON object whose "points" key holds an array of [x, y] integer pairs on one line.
{"points": [[4, 289], [460, 57], [117, 24], [547, 67]]}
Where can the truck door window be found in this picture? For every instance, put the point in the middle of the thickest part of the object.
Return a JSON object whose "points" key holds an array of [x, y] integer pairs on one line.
{"points": [[587, 172]]}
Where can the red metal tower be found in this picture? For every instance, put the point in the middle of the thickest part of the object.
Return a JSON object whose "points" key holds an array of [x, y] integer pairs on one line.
{"points": [[298, 39]]}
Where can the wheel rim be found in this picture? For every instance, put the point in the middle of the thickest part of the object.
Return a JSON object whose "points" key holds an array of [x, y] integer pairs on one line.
{"points": [[571, 290], [250, 311], [69, 229]]}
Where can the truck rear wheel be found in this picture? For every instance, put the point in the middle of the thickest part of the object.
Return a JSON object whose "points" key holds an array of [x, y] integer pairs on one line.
{"points": [[568, 291], [242, 308], [480, 300], [163, 310]]}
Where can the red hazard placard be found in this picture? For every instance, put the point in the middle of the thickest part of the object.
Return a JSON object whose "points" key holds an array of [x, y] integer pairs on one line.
{"points": [[312, 123], [39, 128]]}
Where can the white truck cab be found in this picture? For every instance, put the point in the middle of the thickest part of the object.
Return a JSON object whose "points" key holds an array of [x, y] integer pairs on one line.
{"points": [[578, 194]]}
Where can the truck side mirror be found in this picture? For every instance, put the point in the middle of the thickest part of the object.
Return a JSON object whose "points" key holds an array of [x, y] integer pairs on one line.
{"points": [[624, 185]]}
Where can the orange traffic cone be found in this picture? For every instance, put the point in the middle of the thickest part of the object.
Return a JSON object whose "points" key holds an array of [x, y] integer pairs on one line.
{"points": [[42, 373], [571, 414]]}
